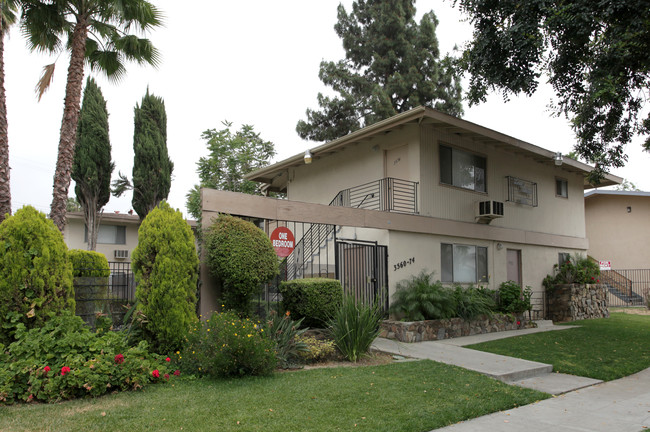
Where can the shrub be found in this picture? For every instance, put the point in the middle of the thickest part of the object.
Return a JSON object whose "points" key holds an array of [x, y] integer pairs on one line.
{"points": [[91, 271], [576, 270], [354, 327], [165, 264], [513, 299], [473, 302], [64, 360], [316, 349], [240, 255], [35, 272], [315, 300], [284, 332], [418, 298], [227, 346]]}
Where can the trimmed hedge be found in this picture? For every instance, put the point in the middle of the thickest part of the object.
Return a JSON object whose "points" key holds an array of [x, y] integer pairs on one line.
{"points": [[241, 256], [314, 299], [88, 263], [166, 264], [35, 272]]}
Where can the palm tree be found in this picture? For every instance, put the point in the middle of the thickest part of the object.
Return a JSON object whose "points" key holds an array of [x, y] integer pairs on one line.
{"points": [[7, 18], [96, 32]]}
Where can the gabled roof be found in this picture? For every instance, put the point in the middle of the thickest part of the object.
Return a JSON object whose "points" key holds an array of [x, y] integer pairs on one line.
{"points": [[596, 192], [275, 176]]}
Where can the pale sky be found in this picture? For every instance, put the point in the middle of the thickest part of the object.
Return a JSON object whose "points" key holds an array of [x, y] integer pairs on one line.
{"points": [[249, 62]]}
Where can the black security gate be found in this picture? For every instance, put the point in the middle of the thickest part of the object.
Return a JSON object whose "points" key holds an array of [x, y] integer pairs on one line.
{"points": [[362, 269]]}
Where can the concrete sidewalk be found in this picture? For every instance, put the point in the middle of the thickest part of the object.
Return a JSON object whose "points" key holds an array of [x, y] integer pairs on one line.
{"points": [[583, 404], [622, 406], [511, 370]]}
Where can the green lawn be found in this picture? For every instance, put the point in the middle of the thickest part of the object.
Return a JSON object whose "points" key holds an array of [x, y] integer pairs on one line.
{"points": [[412, 396], [605, 349]]}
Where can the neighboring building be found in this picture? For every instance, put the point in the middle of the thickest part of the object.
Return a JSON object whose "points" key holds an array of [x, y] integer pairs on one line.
{"points": [[117, 237], [441, 194], [618, 227]]}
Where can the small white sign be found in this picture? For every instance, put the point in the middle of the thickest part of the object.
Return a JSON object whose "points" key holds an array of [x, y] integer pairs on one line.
{"points": [[605, 265]]}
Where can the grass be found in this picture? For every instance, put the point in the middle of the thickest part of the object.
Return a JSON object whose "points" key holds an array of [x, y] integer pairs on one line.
{"points": [[605, 349], [412, 396]]}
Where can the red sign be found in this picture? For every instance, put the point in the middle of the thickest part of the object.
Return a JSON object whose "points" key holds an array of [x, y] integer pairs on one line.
{"points": [[283, 241]]}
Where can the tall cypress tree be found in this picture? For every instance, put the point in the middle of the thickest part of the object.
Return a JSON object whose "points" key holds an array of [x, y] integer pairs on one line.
{"points": [[152, 168], [391, 65], [92, 166]]}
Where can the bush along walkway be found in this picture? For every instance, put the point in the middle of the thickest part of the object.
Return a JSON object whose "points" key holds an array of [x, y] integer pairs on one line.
{"points": [[524, 373]]}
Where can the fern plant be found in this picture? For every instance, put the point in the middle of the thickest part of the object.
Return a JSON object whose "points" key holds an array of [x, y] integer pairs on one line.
{"points": [[419, 298]]}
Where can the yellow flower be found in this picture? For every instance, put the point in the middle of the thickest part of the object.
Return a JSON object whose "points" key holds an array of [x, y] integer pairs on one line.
{"points": [[250, 335], [208, 329]]}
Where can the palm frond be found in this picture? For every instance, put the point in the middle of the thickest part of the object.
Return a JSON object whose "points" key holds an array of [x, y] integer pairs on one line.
{"points": [[45, 80]]}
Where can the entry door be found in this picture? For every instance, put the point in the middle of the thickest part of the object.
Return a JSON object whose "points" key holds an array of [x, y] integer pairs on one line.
{"points": [[514, 265], [397, 163]]}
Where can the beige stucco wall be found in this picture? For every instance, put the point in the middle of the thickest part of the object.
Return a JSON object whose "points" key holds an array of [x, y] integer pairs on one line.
{"points": [[74, 238], [616, 235], [357, 164], [448, 202]]}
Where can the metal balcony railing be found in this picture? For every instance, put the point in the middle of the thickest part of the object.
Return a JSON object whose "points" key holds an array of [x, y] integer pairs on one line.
{"points": [[387, 194]]}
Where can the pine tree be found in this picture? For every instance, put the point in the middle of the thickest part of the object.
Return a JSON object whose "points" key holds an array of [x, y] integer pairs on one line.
{"points": [[391, 65], [152, 168], [92, 166]]}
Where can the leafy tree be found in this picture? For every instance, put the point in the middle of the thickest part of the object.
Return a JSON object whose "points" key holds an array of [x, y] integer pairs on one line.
{"points": [[7, 18], [240, 255], [96, 32], [35, 272], [595, 54], [152, 168], [232, 155], [391, 65], [627, 186], [72, 205], [165, 264], [92, 166]]}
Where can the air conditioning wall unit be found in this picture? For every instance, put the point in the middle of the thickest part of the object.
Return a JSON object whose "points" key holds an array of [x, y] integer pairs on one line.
{"points": [[485, 211], [121, 253]]}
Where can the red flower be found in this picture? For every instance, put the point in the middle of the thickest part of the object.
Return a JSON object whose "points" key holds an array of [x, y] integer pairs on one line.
{"points": [[119, 359], [598, 280], [177, 372], [46, 369], [518, 322], [155, 373], [167, 377], [64, 370], [592, 278], [168, 359]]}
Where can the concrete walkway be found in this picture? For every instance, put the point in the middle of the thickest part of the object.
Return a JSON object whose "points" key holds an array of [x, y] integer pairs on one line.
{"points": [[583, 404]]}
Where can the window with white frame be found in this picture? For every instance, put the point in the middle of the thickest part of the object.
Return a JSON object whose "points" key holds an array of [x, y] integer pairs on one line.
{"points": [[109, 234], [462, 169], [561, 187], [463, 263]]}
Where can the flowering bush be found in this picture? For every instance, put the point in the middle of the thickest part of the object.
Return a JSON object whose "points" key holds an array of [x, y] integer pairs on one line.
{"points": [[226, 345], [89, 363], [317, 349], [513, 298], [576, 270]]}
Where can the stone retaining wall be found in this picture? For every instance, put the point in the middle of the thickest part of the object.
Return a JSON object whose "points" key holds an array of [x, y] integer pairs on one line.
{"points": [[432, 330], [575, 302]]}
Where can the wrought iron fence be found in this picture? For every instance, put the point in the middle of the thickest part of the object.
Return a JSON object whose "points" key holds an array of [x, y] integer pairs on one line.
{"points": [[109, 295], [626, 288]]}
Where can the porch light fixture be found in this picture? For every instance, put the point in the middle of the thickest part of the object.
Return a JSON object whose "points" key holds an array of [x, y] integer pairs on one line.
{"points": [[308, 157], [558, 159]]}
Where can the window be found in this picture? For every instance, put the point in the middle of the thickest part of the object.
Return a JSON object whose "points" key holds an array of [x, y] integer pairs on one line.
{"points": [[522, 191], [462, 169], [463, 263], [562, 258], [561, 188], [109, 234]]}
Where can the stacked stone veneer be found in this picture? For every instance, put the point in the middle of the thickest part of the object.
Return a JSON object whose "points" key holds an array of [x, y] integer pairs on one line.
{"points": [[432, 330], [575, 302]]}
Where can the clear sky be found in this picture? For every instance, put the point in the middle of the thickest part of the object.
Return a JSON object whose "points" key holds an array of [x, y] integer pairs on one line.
{"points": [[249, 62]]}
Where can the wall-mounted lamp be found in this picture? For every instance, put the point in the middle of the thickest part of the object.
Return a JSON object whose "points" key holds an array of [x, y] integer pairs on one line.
{"points": [[499, 246], [629, 209], [308, 157], [558, 159]]}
